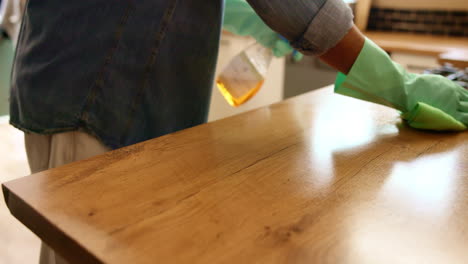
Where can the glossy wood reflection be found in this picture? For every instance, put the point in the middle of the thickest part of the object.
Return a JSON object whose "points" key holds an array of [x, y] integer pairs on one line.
{"points": [[319, 178]]}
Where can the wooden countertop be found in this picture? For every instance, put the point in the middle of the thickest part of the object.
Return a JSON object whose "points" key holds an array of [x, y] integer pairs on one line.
{"points": [[319, 178], [447, 49]]}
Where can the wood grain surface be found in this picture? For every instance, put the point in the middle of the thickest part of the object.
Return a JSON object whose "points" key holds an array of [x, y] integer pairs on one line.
{"points": [[446, 49], [319, 178]]}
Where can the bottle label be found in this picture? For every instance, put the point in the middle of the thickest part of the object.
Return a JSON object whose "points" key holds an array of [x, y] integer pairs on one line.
{"points": [[245, 74], [240, 76]]}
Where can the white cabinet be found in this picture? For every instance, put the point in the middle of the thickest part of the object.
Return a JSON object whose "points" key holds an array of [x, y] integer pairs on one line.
{"points": [[271, 92]]}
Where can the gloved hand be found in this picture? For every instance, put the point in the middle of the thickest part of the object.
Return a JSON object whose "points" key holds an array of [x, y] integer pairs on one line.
{"points": [[241, 19], [426, 101]]}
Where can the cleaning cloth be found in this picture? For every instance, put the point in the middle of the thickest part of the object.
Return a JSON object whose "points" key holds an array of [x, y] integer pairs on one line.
{"points": [[426, 101]]}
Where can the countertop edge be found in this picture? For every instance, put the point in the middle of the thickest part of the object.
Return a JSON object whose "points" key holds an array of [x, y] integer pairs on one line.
{"points": [[39, 225]]}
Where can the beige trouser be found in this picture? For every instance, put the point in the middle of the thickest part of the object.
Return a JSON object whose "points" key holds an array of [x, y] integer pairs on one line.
{"points": [[50, 151]]}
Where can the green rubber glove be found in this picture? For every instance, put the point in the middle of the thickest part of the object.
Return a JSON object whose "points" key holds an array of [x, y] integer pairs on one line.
{"points": [[241, 19], [426, 101]]}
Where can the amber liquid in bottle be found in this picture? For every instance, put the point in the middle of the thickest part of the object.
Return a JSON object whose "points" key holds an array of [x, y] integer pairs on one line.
{"points": [[245, 74]]}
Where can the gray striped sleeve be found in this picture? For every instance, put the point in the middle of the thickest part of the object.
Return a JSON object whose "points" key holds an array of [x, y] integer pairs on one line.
{"points": [[312, 26], [328, 27], [290, 18]]}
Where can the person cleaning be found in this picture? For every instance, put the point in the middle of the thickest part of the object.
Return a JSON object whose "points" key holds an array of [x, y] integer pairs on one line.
{"points": [[429, 102], [94, 75]]}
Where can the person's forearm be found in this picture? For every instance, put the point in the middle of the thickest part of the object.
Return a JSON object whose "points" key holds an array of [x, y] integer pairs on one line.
{"points": [[345, 53]]}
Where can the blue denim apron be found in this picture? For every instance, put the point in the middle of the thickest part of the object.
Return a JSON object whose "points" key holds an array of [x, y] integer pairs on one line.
{"points": [[124, 71]]}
